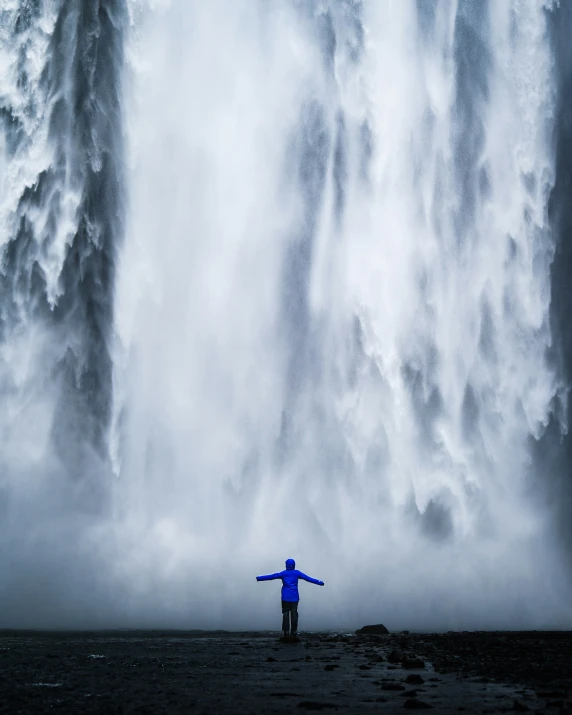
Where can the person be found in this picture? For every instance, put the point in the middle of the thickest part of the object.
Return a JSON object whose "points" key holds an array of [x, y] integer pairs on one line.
{"points": [[290, 595]]}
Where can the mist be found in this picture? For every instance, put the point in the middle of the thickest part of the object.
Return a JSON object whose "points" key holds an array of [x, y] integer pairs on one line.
{"points": [[278, 282]]}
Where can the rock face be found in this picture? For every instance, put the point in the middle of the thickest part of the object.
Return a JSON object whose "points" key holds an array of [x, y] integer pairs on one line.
{"points": [[314, 705], [392, 686], [378, 630], [412, 663], [396, 656], [415, 704]]}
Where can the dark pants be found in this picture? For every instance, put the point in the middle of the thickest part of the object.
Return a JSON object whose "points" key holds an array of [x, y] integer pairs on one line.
{"points": [[290, 612]]}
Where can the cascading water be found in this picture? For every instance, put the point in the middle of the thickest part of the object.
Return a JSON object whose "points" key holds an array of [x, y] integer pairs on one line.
{"points": [[328, 331], [60, 202]]}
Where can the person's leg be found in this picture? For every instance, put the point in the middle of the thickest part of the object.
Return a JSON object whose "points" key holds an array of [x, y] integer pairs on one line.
{"points": [[294, 616], [285, 617]]}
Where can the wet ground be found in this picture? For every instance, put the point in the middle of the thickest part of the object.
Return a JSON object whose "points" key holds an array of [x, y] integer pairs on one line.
{"points": [[176, 672]]}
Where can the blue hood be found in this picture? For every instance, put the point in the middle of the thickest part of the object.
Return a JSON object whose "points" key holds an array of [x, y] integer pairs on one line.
{"points": [[290, 564]]}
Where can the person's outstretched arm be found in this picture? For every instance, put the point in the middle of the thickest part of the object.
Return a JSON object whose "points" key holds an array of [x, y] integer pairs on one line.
{"points": [[270, 577], [310, 579]]}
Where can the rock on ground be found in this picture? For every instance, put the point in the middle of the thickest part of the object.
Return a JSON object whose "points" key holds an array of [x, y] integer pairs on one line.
{"points": [[179, 672]]}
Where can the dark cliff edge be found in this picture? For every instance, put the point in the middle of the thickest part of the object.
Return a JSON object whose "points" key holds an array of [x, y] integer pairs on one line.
{"points": [[553, 453]]}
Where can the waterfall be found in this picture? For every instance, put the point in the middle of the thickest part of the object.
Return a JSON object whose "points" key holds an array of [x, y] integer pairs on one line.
{"points": [[60, 205], [277, 282]]}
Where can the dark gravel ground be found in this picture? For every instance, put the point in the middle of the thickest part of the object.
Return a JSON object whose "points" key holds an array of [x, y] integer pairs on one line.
{"points": [[176, 672]]}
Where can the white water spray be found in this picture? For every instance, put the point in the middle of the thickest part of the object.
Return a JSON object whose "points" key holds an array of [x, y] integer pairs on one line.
{"points": [[330, 315], [332, 308]]}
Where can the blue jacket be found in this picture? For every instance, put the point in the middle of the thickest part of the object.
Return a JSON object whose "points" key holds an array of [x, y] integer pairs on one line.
{"points": [[290, 581]]}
